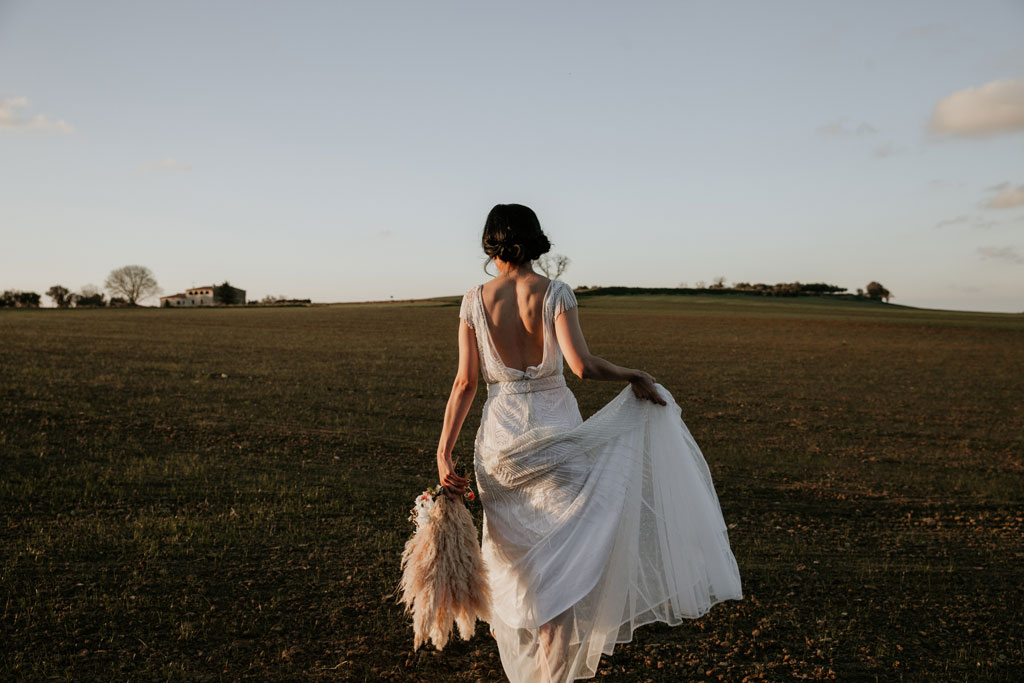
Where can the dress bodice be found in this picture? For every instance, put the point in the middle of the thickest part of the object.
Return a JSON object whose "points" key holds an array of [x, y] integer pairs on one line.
{"points": [[557, 298]]}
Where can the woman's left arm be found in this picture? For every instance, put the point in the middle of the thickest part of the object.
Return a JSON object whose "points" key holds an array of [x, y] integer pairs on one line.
{"points": [[461, 398]]}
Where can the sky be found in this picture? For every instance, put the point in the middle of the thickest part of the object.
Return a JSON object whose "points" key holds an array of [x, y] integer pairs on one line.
{"points": [[350, 151]]}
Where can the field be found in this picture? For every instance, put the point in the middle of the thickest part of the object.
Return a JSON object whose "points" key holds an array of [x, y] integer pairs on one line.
{"points": [[222, 494]]}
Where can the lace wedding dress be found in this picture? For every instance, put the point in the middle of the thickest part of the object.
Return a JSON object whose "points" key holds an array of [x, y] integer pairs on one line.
{"points": [[591, 528]]}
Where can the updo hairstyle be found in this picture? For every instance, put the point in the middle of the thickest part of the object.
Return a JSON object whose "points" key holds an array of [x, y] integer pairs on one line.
{"points": [[513, 234]]}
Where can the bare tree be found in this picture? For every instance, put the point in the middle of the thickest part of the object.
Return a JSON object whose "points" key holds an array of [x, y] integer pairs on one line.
{"points": [[553, 265], [132, 282]]}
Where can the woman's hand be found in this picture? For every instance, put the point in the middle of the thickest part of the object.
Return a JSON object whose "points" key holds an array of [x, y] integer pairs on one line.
{"points": [[643, 387], [453, 484]]}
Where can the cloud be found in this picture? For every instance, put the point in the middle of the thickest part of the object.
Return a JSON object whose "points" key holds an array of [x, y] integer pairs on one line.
{"points": [[975, 222], [838, 129], [1006, 197], [1008, 254], [886, 150], [11, 118], [168, 164], [952, 221], [996, 107]]}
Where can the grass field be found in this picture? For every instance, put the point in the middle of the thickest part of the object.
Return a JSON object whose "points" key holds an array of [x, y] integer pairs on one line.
{"points": [[222, 494]]}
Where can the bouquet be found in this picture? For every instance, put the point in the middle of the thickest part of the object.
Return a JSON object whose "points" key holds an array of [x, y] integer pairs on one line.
{"points": [[443, 573]]}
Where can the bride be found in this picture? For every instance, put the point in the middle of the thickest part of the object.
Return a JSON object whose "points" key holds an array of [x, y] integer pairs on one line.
{"points": [[590, 528]]}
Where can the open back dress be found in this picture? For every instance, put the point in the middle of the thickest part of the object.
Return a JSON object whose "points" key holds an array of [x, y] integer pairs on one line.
{"points": [[590, 528]]}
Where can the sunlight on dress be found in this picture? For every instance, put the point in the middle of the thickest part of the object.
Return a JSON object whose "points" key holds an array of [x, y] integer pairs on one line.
{"points": [[591, 528]]}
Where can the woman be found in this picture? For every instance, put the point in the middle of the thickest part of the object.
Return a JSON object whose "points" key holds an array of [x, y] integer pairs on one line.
{"points": [[590, 528]]}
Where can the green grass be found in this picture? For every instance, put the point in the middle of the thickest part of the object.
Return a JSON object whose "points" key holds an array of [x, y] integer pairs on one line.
{"points": [[159, 521]]}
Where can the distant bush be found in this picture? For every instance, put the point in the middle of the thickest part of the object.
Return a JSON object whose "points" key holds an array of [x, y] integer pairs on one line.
{"points": [[61, 296], [13, 298], [90, 297], [718, 287], [224, 293], [271, 300], [877, 292]]}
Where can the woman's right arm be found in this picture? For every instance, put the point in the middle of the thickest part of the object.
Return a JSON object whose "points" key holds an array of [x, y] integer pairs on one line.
{"points": [[586, 365]]}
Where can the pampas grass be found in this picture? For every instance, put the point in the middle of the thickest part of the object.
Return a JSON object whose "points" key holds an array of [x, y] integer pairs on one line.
{"points": [[443, 576]]}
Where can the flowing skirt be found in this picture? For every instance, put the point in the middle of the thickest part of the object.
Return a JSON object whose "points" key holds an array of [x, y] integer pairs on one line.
{"points": [[593, 530]]}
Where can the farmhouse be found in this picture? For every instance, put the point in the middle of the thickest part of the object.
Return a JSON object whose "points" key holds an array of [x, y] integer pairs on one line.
{"points": [[205, 296]]}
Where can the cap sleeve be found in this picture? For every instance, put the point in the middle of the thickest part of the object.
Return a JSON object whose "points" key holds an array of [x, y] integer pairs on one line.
{"points": [[466, 310], [564, 299]]}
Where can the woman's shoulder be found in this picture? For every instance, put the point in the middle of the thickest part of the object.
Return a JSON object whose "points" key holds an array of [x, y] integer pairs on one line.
{"points": [[562, 297], [561, 286]]}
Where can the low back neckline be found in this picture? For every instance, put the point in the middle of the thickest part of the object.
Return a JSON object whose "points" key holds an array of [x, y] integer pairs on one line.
{"points": [[543, 324]]}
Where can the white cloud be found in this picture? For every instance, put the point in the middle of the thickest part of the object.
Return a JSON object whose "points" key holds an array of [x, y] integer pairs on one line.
{"points": [[886, 150], [11, 118], [996, 107], [952, 221], [1000, 254], [838, 129], [168, 164], [974, 222], [1006, 197]]}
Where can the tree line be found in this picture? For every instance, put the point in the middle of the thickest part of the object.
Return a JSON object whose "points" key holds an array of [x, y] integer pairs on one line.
{"points": [[874, 290], [127, 286]]}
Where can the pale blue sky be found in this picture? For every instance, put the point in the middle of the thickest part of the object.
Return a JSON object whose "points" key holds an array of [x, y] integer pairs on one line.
{"points": [[348, 151]]}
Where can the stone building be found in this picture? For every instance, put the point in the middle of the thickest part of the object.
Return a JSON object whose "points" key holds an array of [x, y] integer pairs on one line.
{"points": [[204, 296]]}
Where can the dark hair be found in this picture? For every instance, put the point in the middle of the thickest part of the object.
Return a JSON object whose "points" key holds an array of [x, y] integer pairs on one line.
{"points": [[513, 234]]}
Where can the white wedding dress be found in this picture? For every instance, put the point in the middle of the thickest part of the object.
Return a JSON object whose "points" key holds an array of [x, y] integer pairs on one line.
{"points": [[592, 528]]}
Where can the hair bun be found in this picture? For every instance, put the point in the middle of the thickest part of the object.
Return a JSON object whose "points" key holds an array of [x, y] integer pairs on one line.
{"points": [[513, 234]]}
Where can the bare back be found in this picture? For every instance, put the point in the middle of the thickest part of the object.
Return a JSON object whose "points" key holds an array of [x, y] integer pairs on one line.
{"points": [[515, 317]]}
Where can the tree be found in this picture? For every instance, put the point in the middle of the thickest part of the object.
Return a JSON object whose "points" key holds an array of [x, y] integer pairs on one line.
{"points": [[61, 296], [553, 265], [719, 283], [89, 297], [226, 294], [877, 292], [13, 298], [132, 282]]}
